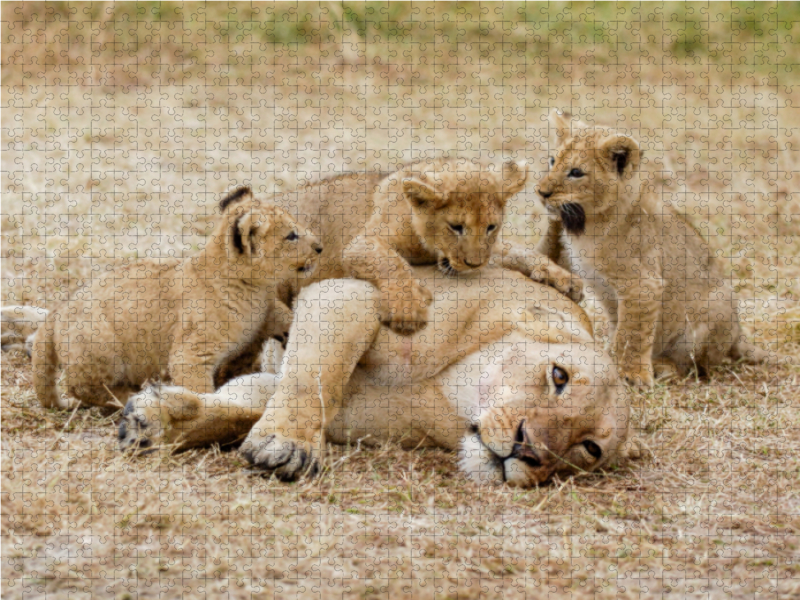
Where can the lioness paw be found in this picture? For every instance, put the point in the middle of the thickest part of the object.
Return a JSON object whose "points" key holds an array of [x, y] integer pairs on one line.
{"points": [[138, 429], [288, 459], [405, 308]]}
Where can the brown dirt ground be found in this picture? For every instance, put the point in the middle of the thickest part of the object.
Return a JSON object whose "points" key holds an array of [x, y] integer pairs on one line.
{"points": [[121, 126]]}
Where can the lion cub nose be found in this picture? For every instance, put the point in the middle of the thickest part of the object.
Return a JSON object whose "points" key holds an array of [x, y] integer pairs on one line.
{"points": [[318, 249], [544, 194], [472, 265]]}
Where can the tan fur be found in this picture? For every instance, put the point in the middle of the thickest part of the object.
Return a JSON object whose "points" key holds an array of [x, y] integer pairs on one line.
{"points": [[487, 359], [18, 324], [173, 319], [668, 298], [374, 226]]}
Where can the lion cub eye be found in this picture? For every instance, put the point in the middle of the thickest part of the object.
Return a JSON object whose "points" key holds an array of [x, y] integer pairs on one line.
{"points": [[593, 449], [560, 379], [551, 161], [457, 229], [575, 173], [292, 237], [491, 228]]}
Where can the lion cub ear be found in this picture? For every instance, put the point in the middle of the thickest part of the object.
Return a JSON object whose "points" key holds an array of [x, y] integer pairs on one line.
{"points": [[234, 197], [564, 125], [244, 229], [421, 194], [515, 174], [620, 154]]}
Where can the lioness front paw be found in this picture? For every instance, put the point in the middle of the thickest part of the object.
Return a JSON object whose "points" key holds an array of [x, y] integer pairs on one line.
{"points": [[288, 459], [405, 308]]}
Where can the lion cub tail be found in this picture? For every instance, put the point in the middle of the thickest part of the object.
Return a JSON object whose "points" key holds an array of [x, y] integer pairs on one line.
{"points": [[45, 366]]}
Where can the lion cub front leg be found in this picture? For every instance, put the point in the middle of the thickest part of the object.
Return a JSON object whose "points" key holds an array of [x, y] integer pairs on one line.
{"points": [[542, 269], [404, 301], [639, 309], [336, 321]]}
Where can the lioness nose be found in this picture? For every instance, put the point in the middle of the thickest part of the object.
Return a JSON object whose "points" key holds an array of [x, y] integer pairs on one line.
{"points": [[472, 265], [543, 193], [318, 249]]}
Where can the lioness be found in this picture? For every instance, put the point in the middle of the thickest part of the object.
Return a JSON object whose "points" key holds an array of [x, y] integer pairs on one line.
{"points": [[176, 317], [668, 299], [446, 211], [507, 372]]}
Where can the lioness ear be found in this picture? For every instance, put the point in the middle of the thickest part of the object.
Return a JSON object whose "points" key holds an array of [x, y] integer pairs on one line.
{"points": [[515, 174], [420, 194], [235, 196], [620, 154]]}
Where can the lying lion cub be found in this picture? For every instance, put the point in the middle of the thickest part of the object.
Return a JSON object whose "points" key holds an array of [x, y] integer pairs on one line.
{"points": [[181, 316], [670, 304], [449, 212]]}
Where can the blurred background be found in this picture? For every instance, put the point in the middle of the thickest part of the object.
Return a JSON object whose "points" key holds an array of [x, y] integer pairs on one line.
{"points": [[123, 123]]}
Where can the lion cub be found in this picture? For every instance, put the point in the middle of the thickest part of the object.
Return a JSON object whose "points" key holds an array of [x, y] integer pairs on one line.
{"points": [[668, 299], [446, 211], [180, 318]]}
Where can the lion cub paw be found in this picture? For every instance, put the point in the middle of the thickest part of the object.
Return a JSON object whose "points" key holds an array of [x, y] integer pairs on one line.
{"points": [[639, 378], [288, 459], [567, 283], [405, 308]]}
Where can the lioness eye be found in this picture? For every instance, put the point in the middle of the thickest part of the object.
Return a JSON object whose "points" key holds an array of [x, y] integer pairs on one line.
{"points": [[291, 237], [576, 173], [560, 379], [491, 228], [457, 229], [552, 161], [593, 449]]}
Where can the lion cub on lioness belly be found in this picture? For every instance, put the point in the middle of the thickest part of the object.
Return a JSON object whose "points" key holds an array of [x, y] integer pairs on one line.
{"points": [[668, 300], [446, 211], [174, 317]]}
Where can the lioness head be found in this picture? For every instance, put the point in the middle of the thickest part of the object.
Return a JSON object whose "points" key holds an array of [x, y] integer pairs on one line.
{"points": [[262, 242], [457, 206], [570, 415], [591, 170]]}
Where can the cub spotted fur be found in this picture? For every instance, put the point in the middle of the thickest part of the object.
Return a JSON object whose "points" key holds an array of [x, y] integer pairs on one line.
{"points": [[176, 319], [446, 211], [669, 302]]}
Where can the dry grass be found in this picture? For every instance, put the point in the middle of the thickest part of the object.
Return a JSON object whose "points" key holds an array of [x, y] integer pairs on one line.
{"points": [[121, 125]]}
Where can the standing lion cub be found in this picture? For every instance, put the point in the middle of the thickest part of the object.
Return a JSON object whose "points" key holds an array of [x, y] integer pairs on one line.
{"points": [[669, 302], [175, 317]]}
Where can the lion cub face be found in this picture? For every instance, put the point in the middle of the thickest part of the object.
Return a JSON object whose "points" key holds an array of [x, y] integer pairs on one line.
{"points": [[592, 170], [570, 415], [264, 244], [457, 207]]}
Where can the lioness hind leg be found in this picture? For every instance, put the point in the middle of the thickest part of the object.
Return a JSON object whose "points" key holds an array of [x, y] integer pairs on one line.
{"points": [[336, 321], [176, 417]]}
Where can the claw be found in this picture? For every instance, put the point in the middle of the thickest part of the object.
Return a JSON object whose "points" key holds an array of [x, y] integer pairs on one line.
{"points": [[288, 459]]}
